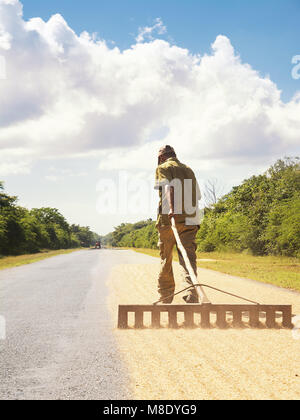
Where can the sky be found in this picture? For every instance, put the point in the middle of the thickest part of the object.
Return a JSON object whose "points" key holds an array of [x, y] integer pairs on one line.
{"points": [[89, 91]]}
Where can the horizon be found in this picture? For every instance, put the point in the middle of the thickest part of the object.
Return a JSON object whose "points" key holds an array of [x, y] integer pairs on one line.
{"points": [[223, 88]]}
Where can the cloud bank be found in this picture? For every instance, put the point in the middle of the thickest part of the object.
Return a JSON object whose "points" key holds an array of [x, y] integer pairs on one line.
{"points": [[69, 95]]}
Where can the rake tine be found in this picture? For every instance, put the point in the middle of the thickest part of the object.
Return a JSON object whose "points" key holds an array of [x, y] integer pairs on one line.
{"points": [[139, 319], [205, 317], [189, 318], [221, 318], [254, 317], [237, 317], [172, 318], [155, 318], [122, 318], [287, 317], [270, 318]]}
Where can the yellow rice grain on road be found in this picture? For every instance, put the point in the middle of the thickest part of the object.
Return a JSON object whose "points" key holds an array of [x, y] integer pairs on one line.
{"points": [[206, 364]]}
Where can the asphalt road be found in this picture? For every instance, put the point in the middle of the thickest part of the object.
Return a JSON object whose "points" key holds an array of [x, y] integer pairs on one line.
{"points": [[59, 333]]}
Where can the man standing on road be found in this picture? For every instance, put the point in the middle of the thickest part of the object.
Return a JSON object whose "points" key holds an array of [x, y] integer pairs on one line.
{"points": [[179, 194]]}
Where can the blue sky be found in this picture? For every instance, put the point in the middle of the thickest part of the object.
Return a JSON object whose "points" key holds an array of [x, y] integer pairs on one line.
{"points": [[75, 113], [266, 33]]}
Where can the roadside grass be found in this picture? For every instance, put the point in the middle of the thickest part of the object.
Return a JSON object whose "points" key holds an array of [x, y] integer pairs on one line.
{"points": [[279, 271], [16, 261]]}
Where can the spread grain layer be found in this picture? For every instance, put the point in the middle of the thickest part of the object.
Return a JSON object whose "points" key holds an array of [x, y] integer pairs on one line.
{"points": [[206, 364]]}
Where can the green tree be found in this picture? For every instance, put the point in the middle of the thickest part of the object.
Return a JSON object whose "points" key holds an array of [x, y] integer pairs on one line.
{"points": [[28, 231], [245, 218]]}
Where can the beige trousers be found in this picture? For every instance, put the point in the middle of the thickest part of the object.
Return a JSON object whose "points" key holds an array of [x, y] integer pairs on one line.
{"points": [[166, 283]]}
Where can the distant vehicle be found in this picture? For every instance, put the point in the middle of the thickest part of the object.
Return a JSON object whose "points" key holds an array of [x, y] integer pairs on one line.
{"points": [[98, 245]]}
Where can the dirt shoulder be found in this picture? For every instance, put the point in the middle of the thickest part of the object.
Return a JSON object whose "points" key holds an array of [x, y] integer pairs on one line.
{"points": [[206, 364], [280, 271]]}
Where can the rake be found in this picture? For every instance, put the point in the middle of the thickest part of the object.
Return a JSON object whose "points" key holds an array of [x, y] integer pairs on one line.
{"points": [[202, 314]]}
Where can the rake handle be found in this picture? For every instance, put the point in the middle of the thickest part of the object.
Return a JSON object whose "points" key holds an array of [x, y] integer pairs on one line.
{"points": [[201, 294]]}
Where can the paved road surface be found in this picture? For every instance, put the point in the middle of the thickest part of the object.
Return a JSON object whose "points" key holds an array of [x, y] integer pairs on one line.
{"points": [[60, 343]]}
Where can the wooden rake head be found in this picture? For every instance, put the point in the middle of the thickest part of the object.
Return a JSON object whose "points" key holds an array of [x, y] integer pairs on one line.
{"points": [[255, 316]]}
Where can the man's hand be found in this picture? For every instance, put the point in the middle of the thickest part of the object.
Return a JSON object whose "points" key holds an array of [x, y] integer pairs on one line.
{"points": [[171, 214]]}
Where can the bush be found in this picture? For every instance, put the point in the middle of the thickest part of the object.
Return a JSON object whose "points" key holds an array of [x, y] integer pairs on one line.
{"points": [[261, 216], [283, 230]]}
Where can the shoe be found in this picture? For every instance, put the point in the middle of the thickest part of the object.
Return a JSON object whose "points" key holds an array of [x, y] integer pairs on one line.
{"points": [[167, 301], [191, 299]]}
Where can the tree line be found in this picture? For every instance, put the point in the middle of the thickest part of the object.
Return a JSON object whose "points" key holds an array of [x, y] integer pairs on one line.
{"points": [[25, 231], [134, 235], [261, 216]]}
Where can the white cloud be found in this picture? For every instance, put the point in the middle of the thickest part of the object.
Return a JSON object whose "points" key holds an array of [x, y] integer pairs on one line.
{"points": [[15, 161], [52, 178], [59, 174], [67, 95], [147, 31]]}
